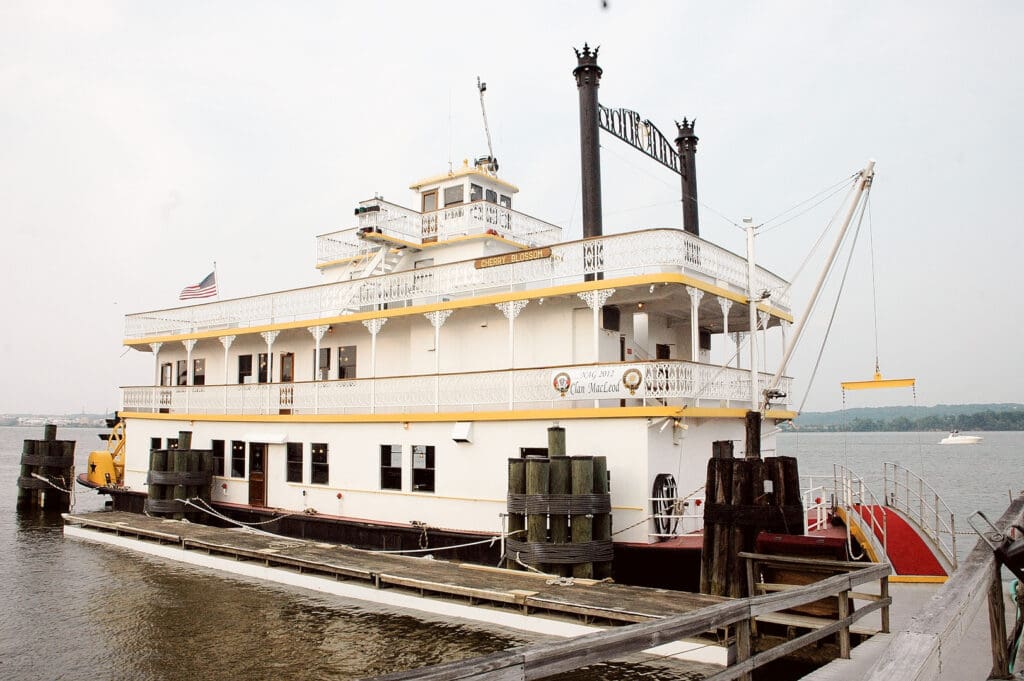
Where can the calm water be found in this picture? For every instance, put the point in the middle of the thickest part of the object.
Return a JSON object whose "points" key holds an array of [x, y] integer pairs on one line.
{"points": [[73, 610]]}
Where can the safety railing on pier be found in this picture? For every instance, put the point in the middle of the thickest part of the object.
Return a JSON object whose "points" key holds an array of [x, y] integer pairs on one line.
{"points": [[907, 492]]}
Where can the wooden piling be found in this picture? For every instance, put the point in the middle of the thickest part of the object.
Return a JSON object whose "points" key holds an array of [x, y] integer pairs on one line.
{"points": [[516, 487], [180, 459], [47, 472], [27, 496], [602, 521], [582, 526], [538, 482], [561, 483]]}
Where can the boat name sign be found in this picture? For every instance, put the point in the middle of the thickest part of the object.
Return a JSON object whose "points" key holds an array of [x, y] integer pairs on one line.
{"points": [[509, 258], [586, 383]]}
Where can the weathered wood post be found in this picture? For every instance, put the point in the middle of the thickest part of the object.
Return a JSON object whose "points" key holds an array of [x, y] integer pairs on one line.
{"points": [[516, 519], [582, 524], [718, 490], [602, 521], [47, 472], [538, 478], [560, 485]]}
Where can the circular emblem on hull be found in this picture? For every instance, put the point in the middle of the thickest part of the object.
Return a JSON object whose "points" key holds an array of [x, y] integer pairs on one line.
{"points": [[631, 380], [562, 382]]}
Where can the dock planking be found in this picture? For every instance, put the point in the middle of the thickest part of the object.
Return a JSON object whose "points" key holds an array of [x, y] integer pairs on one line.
{"points": [[480, 585]]}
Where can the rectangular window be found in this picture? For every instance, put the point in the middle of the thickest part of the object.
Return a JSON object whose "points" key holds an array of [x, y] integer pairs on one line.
{"points": [[662, 351], [172, 443], [293, 472], [476, 192], [491, 195], [430, 201], [319, 472], [391, 466], [322, 367], [423, 468], [154, 443], [199, 372], [347, 361], [182, 372], [244, 368], [506, 201], [265, 368], [218, 457], [287, 367], [237, 459], [166, 372], [453, 195]]}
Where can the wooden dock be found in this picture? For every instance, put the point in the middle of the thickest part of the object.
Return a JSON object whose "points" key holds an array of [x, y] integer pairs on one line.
{"points": [[527, 593]]}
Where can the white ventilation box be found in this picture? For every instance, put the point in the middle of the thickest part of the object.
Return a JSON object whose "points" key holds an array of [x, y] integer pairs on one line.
{"points": [[462, 431]]}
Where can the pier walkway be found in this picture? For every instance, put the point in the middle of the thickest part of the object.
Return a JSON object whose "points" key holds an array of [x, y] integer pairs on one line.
{"points": [[526, 592]]}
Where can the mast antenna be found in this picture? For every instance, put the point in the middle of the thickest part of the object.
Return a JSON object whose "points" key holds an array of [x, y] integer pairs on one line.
{"points": [[489, 162]]}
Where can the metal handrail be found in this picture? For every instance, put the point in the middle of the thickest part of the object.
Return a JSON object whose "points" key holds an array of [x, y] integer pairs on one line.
{"points": [[851, 492], [922, 504]]}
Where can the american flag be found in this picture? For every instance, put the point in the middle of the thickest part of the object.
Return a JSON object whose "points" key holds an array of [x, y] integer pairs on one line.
{"points": [[204, 289]]}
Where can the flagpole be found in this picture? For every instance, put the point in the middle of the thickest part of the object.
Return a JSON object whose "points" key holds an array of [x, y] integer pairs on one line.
{"points": [[215, 278]]}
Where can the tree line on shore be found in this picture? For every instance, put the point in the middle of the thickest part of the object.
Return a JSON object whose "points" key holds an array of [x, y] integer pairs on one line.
{"points": [[982, 420]]}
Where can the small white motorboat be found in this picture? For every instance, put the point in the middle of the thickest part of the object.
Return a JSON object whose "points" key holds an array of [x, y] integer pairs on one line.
{"points": [[955, 438]]}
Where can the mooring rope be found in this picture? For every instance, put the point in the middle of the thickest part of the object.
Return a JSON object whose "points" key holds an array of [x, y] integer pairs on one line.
{"points": [[490, 541], [49, 482]]}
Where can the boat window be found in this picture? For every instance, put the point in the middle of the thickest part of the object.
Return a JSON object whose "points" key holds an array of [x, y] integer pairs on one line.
{"points": [[423, 468], [237, 459], [536, 452], [453, 195], [476, 192], [166, 371], [218, 456], [492, 196], [319, 473], [287, 367], [266, 369], [172, 443], [430, 201], [322, 369], [182, 372], [506, 201], [154, 443], [199, 372], [244, 368], [662, 351], [347, 361], [293, 469], [391, 466]]}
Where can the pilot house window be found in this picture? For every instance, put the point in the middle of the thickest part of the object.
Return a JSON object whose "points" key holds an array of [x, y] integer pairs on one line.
{"points": [[453, 195]]}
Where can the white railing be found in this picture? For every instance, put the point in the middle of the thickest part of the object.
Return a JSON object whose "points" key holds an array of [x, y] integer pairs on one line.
{"points": [[475, 391], [860, 505], [907, 492], [816, 499], [635, 253], [478, 217]]}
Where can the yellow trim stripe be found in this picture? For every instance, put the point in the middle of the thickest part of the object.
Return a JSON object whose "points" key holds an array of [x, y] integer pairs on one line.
{"points": [[475, 301], [434, 244], [918, 579], [879, 383]]}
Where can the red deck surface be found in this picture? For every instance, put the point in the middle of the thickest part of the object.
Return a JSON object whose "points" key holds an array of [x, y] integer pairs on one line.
{"points": [[908, 552]]}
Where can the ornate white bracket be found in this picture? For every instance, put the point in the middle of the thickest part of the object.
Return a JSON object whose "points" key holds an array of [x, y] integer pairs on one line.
{"points": [[318, 331], [512, 308], [156, 347], [189, 344], [375, 325], [438, 317], [226, 341], [726, 305], [762, 319], [595, 300], [269, 336], [695, 294]]}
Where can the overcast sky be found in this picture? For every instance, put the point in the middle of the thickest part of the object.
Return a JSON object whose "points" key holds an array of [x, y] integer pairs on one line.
{"points": [[141, 141]]}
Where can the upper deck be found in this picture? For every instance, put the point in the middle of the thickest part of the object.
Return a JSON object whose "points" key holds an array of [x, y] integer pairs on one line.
{"points": [[656, 251]]}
